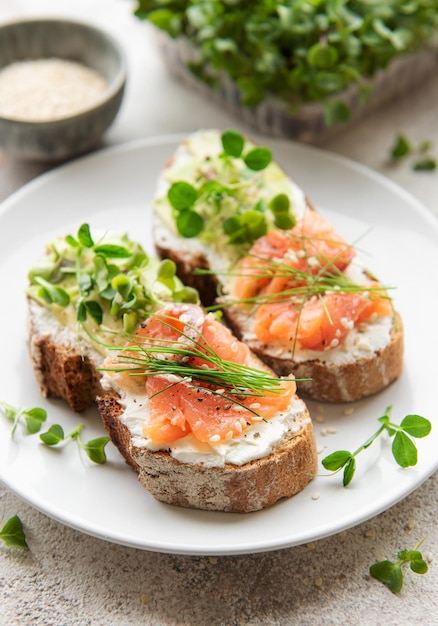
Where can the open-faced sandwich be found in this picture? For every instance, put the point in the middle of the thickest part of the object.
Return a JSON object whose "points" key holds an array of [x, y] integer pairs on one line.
{"points": [[202, 420], [246, 236], [84, 297]]}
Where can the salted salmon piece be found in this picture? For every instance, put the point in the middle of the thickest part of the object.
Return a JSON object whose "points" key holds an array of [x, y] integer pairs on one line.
{"points": [[309, 247], [177, 409], [320, 323], [181, 405]]}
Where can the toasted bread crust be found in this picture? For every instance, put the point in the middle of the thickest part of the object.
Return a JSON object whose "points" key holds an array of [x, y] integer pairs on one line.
{"points": [[60, 369], [240, 489], [335, 382]]}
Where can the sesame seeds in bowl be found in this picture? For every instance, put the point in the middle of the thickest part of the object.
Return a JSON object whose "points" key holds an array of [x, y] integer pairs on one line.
{"points": [[61, 86]]}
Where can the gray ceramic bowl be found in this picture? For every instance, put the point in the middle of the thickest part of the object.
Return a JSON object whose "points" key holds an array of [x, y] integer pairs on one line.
{"points": [[62, 39]]}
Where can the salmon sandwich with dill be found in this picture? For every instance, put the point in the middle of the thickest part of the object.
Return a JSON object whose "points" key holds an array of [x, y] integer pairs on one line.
{"points": [[247, 237], [201, 419]]}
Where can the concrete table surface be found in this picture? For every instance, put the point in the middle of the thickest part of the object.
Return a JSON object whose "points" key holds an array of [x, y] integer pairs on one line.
{"points": [[69, 578]]}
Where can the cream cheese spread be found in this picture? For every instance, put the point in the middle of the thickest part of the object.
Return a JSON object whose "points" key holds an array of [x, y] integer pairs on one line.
{"points": [[257, 441]]}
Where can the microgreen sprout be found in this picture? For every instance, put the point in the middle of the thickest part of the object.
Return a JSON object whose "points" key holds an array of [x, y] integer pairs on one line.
{"points": [[32, 420], [298, 52], [422, 159], [390, 573], [105, 278], [12, 534], [94, 448], [404, 449], [224, 196]]}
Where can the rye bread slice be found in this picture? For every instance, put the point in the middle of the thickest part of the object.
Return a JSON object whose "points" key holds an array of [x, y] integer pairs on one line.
{"points": [[233, 488], [63, 368]]}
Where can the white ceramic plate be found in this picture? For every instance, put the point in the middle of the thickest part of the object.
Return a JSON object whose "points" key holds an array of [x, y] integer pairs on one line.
{"points": [[113, 189]]}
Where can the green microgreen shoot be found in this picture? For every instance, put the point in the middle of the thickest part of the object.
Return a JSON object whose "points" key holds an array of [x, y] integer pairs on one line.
{"points": [[12, 534], [403, 448], [103, 278], [421, 157], [94, 448], [297, 52], [390, 573], [223, 198], [32, 420]]}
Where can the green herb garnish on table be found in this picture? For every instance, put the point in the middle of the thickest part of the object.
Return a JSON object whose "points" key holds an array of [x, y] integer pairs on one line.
{"points": [[390, 573], [403, 447], [12, 534]]}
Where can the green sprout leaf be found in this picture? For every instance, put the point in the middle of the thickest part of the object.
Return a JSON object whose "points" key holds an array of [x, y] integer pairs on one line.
{"points": [[53, 436], [34, 418], [232, 143], [390, 573], [112, 251], [349, 471], [428, 164], [84, 236], [258, 159], [95, 449], [336, 460], [182, 195], [416, 426], [12, 534], [403, 448], [401, 148], [52, 293], [189, 223], [94, 309]]}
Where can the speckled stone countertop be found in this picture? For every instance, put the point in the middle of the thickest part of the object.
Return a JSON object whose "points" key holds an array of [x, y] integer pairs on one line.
{"points": [[70, 578]]}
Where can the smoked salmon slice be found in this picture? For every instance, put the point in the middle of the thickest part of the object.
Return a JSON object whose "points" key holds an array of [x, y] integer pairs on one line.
{"points": [[279, 276], [198, 377]]}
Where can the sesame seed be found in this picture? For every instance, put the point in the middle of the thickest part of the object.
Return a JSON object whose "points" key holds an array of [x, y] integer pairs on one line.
{"points": [[255, 406], [349, 410], [323, 431], [319, 408], [429, 557], [229, 435], [227, 407], [371, 533], [315, 495], [346, 323], [234, 346], [334, 343], [144, 598], [331, 430], [320, 449], [214, 438], [205, 366], [410, 525], [238, 427], [242, 420], [318, 581], [256, 418], [319, 419]]}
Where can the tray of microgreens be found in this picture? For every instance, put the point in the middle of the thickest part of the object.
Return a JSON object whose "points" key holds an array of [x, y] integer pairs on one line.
{"points": [[303, 69]]}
